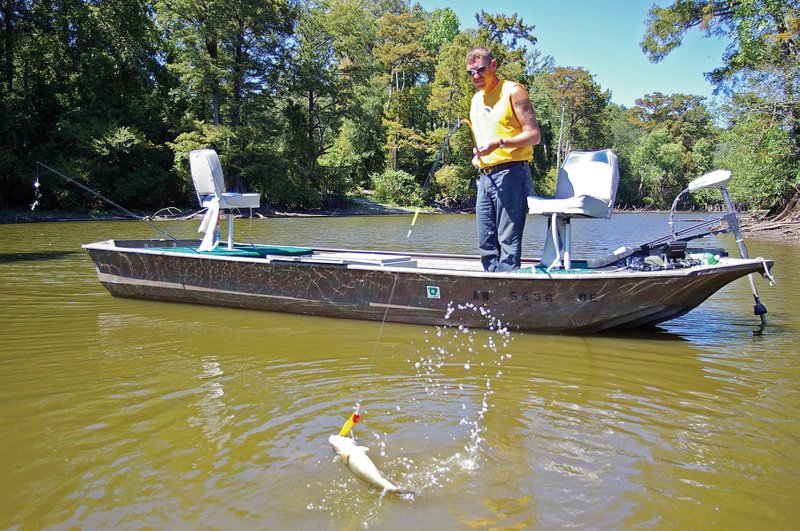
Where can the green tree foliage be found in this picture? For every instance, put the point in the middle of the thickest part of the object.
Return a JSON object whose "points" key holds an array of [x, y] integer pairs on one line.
{"points": [[454, 186], [442, 27], [625, 137], [504, 32], [686, 117], [80, 90], [320, 85], [400, 49], [405, 61], [756, 152], [687, 121], [657, 162], [357, 148], [306, 101], [451, 89], [764, 51], [397, 187], [225, 52], [582, 106]]}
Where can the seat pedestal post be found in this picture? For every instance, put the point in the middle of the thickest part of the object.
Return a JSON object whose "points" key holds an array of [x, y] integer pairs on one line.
{"points": [[230, 231], [567, 244]]}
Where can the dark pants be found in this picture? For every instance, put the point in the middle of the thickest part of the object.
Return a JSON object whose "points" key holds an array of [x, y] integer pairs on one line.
{"points": [[501, 209]]}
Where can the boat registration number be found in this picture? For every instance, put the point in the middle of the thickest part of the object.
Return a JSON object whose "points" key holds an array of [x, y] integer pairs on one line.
{"points": [[533, 297]]}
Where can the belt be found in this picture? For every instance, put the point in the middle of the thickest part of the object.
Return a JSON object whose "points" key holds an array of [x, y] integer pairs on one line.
{"points": [[499, 167]]}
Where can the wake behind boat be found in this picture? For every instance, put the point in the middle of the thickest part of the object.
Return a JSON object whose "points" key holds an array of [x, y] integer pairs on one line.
{"points": [[637, 286]]}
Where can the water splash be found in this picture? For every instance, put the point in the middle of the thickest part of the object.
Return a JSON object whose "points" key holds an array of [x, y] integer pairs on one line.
{"points": [[454, 374], [479, 355]]}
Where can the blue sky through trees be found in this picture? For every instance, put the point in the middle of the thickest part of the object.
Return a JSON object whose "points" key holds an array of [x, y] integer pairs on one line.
{"points": [[603, 37]]}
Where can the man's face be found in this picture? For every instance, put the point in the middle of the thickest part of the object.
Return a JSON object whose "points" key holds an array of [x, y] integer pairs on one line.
{"points": [[482, 72]]}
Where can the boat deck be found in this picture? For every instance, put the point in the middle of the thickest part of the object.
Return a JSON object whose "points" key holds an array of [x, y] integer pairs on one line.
{"points": [[345, 257], [433, 263]]}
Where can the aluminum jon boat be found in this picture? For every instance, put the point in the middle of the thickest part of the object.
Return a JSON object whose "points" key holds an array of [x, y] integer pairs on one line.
{"points": [[409, 288], [638, 286]]}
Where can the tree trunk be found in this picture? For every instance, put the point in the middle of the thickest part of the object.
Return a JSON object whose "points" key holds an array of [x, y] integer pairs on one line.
{"points": [[791, 209], [238, 79], [790, 56], [26, 80], [311, 140], [8, 16], [211, 47], [215, 103], [561, 133]]}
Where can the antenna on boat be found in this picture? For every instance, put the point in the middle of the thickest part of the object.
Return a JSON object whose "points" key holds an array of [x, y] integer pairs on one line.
{"points": [[82, 186]]}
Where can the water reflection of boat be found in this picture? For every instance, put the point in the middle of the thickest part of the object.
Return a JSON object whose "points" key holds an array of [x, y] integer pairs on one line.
{"points": [[637, 286]]}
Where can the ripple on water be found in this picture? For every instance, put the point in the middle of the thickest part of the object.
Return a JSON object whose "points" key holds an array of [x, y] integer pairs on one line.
{"points": [[123, 413]]}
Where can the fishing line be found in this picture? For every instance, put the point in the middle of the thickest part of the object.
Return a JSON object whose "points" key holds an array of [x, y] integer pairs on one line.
{"points": [[82, 186], [355, 416], [435, 165]]}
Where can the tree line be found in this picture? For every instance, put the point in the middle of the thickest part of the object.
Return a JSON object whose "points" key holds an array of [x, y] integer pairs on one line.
{"points": [[310, 101]]}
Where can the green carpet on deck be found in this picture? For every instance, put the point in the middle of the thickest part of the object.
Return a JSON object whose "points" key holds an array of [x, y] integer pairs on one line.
{"points": [[540, 270], [247, 251]]}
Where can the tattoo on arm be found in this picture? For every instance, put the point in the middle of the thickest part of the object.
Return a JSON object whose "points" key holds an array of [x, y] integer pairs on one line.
{"points": [[525, 114]]}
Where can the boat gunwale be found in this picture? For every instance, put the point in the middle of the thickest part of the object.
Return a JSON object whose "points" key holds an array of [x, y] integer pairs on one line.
{"points": [[726, 264]]}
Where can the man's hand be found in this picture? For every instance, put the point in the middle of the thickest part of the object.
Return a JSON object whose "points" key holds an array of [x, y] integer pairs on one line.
{"points": [[488, 147]]}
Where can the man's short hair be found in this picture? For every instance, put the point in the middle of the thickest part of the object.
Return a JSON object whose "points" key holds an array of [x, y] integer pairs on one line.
{"points": [[479, 52]]}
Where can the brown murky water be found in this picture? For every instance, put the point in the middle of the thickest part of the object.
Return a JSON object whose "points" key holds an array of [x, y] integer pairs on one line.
{"points": [[131, 414]]}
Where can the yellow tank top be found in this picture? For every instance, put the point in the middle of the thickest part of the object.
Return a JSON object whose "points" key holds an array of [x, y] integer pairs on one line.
{"points": [[492, 116]]}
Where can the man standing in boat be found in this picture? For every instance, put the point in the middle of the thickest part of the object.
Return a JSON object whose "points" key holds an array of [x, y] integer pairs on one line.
{"points": [[505, 130]]}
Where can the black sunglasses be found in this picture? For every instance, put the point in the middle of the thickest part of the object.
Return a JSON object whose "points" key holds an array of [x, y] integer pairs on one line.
{"points": [[478, 70]]}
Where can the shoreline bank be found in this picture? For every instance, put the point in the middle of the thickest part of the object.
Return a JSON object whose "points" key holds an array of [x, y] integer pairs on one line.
{"points": [[752, 226]]}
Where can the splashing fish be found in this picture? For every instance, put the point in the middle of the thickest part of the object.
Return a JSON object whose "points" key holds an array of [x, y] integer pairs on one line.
{"points": [[356, 459]]}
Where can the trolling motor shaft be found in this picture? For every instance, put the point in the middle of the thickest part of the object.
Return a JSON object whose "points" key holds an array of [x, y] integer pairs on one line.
{"points": [[733, 222], [719, 179]]}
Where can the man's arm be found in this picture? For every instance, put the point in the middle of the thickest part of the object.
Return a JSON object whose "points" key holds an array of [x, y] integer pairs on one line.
{"points": [[523, 110]]}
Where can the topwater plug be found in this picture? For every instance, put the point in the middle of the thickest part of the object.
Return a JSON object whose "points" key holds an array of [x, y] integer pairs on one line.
{"points": [[349, 423]]}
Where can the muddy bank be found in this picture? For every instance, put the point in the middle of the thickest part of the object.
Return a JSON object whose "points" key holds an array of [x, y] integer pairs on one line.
{"points": [[785, 229]]}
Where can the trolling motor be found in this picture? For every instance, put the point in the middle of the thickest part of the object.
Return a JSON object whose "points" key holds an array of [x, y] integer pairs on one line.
{"points": [[719, 179], [670, 251]]}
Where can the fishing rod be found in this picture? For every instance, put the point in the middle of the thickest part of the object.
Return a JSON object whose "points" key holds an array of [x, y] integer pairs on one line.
{"points": [[82, 186], [466, 122], [435, 165]]}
